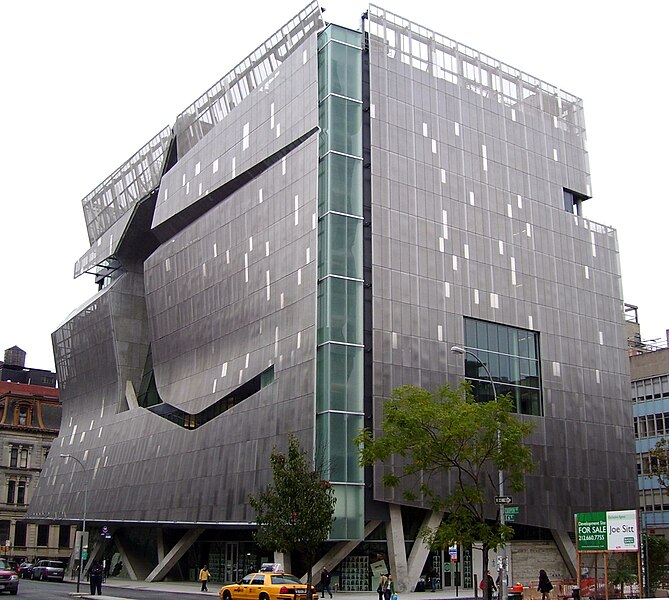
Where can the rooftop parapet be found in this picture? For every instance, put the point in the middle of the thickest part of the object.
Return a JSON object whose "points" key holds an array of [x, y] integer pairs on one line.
{"points": [[217, 102], [452, 61]]}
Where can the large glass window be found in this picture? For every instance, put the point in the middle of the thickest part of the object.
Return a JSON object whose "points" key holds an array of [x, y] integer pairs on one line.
{"points": [[339, 71], [339, 378], [511, 356], [341, 454], [340, 185], [340, 246], [341, 126], [340, 311]]}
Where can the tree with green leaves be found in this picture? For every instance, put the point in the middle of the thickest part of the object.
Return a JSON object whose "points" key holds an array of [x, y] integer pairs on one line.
{"points": [[657, 553], [295, 513], [444, 450], [659, 462]]}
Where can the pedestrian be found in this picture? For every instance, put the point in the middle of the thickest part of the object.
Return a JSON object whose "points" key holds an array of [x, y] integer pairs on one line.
{"points": [[382, 586], [433, 579], [488, 586], [325, 583], [204, 577], [545, 585], [389, 588], [118, 567], [95, 576]]}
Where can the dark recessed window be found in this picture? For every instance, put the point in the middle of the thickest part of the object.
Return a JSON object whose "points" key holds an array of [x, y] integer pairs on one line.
{"points": [[42, 535], [573, 201], [20, 533], [64, 536], [21, 492], [11, 492]]}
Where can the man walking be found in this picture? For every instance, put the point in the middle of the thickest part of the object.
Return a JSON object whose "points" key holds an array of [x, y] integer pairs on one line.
{"points": [[325, 583], [204, 577]]}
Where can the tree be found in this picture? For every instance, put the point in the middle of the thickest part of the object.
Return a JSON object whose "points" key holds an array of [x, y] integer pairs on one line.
{"points": [[659, 462], [657, 552], [295, 513], [449, 449], [623, 570]]}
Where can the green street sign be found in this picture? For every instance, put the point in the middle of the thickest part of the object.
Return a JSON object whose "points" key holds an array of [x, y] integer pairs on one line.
{"points": [[511, 512]]}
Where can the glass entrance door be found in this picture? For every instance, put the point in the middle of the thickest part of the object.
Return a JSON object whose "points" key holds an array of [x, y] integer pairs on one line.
{"points": [[231, 563]]}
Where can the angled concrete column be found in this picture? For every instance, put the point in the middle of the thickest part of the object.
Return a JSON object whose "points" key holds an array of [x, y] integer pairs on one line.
{"points": [[171, 558], [160, 545], [95, 551], [283, 558], [396, 550], [420, 550], [125, 557], [567, 550], [339, 552], [130, 395]]}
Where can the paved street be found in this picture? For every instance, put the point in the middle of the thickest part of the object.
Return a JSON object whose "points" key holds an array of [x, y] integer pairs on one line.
{"points": [[48, 590], [123, 589], [117, 589]]}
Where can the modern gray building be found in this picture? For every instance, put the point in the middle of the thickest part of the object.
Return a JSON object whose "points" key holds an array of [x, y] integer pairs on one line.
{"points": [[318, 228]]}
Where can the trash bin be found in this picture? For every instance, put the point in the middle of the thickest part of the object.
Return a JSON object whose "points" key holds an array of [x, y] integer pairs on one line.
{"points": [[576, 593], [516, 592]]}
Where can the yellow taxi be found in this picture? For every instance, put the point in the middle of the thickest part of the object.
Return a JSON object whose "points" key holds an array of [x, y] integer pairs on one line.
{"points": [[270, 583]]}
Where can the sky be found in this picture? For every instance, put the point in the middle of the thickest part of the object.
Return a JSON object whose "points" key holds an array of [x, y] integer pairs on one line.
{"points": [[84, 84]]}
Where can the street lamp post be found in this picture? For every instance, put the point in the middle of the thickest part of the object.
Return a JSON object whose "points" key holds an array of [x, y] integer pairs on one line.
{"points": [[500, 473], [83, 532]]}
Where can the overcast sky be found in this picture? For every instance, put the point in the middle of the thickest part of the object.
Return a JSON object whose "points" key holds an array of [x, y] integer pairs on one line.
{"points": [[84, 84]]}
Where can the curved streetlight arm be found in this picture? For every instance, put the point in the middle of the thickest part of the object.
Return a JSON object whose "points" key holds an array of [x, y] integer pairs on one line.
{"points": [[459, 350]]}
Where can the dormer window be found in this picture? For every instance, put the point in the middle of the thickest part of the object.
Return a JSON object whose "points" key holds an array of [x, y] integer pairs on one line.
{"points": [[23, 415]]}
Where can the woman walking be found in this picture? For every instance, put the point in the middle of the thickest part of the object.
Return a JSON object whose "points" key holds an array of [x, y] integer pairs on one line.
{"points": [[545, 585], [382, 585], [389, 589]]}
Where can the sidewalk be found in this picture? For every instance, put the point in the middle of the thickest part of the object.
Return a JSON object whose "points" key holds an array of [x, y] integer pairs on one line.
{"points": [[193, 587]]}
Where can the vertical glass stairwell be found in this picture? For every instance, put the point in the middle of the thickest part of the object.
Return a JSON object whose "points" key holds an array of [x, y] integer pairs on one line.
{"points": [[339, 375]]}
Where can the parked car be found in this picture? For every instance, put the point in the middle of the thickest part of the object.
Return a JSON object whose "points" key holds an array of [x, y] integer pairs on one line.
{"points": [[25, 569], [271, 583], [48, 569], [9, 579]]}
